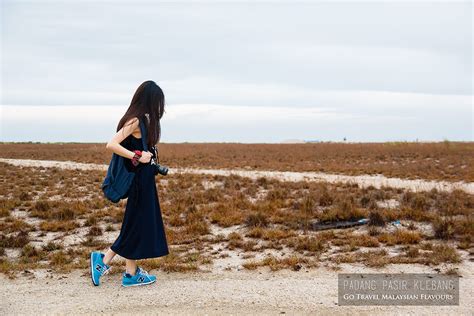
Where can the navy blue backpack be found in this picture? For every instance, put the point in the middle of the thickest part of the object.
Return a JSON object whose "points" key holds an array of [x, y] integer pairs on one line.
{"points": [[118, 180]]}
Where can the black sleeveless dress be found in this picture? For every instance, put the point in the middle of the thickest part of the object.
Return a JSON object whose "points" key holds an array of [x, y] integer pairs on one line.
{"points": [[142, 234]]}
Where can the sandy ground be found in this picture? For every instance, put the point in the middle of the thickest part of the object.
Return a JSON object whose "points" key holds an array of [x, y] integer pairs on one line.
{"points": [[221, 291], [363, 180], [234, 293]]}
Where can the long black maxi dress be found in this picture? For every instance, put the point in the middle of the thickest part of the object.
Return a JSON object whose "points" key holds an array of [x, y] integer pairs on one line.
{"points": [[142, 234]]}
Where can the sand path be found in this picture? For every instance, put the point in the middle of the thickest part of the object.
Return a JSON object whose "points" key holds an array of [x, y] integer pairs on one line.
{"points": [[362, 180], [234, 292]]}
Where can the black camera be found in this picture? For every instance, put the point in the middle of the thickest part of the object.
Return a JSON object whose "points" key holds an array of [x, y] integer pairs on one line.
{"points": [[159, 169]]}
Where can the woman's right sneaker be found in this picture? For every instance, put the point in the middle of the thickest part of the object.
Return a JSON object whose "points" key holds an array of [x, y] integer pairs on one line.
{"points": [[141, 277]]}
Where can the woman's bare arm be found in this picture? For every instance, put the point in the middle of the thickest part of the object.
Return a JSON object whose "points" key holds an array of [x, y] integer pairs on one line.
{"points": [[114, 144]]}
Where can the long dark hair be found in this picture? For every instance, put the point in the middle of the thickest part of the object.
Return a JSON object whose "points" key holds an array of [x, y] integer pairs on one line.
{"points": [[148, 98]]}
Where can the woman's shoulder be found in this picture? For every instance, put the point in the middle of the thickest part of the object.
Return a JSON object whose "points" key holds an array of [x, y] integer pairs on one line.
{"points": [[134, 121]]}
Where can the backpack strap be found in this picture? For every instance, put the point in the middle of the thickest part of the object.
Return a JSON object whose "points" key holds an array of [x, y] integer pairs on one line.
{"points": [[144, 135]]}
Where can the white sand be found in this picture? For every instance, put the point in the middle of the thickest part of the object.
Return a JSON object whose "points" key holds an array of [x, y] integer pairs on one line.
{"points": [[362, 180], [236, 293]]}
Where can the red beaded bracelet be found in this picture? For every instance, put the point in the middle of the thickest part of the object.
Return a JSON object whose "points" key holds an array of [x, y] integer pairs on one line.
{"points": [[135, 158]]}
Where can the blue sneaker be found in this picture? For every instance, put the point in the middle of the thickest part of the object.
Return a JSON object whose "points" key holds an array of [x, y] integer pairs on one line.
{"points": [[98, 267], [141, 277]]}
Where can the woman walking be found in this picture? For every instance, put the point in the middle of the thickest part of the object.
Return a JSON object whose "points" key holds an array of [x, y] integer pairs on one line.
{"points": [[142, 234]]}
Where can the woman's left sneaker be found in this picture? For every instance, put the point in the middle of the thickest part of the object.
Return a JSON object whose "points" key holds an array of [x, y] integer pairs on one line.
{"points": [[141, 277], [98, 267]]}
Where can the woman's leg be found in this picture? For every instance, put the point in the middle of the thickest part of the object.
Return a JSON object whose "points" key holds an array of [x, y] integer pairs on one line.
{"points": [[130, 266], [109, 255]]}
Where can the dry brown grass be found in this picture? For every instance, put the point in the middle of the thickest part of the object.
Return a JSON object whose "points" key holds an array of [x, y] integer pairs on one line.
{"points": [[10, 225], [400, 237], [344, 212], [269, 215], [58, 226], [270, 234], [293, 262], [428, 254], [377, 218], [258, 219], [306, 243], [17, 240], [31, 254]]}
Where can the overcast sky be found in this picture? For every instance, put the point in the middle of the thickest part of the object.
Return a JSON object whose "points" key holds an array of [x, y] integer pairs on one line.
{"points": [[239, 71]]}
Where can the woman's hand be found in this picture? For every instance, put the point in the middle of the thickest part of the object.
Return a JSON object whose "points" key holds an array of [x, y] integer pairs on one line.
{"points": [[146, 157]]}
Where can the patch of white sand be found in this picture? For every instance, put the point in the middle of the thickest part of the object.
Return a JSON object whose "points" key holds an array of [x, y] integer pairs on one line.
{"points": [[392, 203]]}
